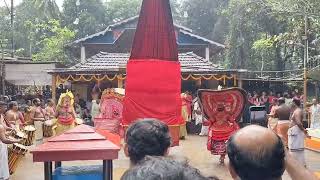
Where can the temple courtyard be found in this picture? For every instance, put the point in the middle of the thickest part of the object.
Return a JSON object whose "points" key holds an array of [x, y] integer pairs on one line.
{"points": [[193, 148]]}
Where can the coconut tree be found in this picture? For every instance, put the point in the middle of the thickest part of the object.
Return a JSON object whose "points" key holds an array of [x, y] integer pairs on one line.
{"points": [[47, 8]]}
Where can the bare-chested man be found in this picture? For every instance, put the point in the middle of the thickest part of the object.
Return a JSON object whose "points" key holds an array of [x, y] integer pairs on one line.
{"points": [[283, 111], [12, 115], [38, 117], [50, 109], [297, 133], [282, 114], [4, 169]]}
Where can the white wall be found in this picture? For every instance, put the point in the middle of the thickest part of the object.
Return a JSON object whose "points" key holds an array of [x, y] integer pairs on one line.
{"points": [[29, 74]]}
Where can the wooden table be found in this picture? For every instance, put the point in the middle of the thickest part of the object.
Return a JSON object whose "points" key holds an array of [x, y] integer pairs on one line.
{"points": [[80, 143]]}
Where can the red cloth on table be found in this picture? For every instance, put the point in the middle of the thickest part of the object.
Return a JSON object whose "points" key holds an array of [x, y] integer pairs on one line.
{"points": [[153, 91], [114, 138]]}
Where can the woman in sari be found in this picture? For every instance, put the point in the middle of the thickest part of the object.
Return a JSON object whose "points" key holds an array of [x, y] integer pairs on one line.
{"points": [[65, 113]]}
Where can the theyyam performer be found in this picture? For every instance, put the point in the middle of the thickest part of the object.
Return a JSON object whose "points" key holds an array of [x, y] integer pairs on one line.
{"points": [[223, 109], [65, 113]]}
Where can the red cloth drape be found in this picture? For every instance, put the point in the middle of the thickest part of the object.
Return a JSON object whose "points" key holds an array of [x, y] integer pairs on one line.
{"points": [[155, 37], [153, 83], [153, 91]]}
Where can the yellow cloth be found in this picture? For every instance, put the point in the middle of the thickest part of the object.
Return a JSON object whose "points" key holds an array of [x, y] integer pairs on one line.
{"points": [[183, 130], [272, 123], [63, 128], [60, 129]]}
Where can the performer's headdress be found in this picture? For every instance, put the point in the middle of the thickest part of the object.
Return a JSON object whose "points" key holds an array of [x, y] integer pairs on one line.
{"points": [[64, 95], [231, 101]]}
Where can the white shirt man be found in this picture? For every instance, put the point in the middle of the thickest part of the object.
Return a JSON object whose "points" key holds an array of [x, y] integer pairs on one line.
{"points": [[199, 117]]}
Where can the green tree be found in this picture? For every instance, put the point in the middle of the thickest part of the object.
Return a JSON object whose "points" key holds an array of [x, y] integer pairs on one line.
{"points": [[117, 10], [53, 42], [204, 16], [85, 17], [5, 27], [47, 9]]}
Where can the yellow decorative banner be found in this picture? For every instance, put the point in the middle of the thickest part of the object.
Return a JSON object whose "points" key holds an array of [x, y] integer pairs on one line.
{"points": [[89, 78]]}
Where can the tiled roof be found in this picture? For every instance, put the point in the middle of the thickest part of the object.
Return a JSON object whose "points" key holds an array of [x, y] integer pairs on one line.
{"points": [[112, 62], [183, 29]]}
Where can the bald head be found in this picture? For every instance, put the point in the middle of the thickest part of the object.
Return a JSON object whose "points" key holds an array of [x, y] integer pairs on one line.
{"points": [[248, 138], [256, 153]]}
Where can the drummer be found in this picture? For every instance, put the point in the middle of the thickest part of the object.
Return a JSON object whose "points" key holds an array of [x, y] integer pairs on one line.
{"points": [[12, 115], [50, 109], [4, 167], [38, 117]]}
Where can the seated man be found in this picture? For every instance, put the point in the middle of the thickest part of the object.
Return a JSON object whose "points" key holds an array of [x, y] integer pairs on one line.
{"points": [[162, 168], [147, 137], [258, 153]]}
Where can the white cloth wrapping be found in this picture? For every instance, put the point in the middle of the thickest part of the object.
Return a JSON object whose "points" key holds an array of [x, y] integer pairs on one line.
{"points": [[39, 132], [198, 117], [204, 130], [296, 144], [4, 167], [95, 109], [295, 138], [315, 116]]}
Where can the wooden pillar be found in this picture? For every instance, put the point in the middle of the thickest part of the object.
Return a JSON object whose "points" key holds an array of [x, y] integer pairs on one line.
{"points": [[207, 53], [317, 90], [120, 81], [83, 54], [199, 83], [54, 87], [240, 83]]}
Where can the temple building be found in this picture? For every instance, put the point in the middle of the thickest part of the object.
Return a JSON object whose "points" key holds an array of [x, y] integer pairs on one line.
{"points": [[103, 57]]}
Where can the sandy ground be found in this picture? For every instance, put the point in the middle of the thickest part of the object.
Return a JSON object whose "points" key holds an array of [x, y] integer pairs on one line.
{"points": [[194, 148]]}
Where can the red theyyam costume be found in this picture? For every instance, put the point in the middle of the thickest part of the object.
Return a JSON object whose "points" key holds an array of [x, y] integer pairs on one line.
{"points": [[153, 83], [222, 109]]}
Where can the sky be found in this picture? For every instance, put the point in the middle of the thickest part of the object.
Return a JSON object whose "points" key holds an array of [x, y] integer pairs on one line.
{"points": [[16, 2]]}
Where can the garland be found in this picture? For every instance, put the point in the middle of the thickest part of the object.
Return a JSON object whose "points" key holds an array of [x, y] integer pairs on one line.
{"points": [[61, 80]]}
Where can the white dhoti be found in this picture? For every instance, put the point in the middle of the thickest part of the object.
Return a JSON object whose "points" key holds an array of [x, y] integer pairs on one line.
{"points": [[39, 132], [296, 144], [4, 167], [204, 130]]}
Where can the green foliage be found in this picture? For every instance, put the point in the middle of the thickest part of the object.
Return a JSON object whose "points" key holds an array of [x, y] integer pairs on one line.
{"points": [[117, 10], [5, 27], [53, 42], [87, 17], [47, 9]]}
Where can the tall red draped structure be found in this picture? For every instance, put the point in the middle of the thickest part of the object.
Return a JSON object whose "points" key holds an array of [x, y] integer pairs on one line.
{"points": [[153, 83]]}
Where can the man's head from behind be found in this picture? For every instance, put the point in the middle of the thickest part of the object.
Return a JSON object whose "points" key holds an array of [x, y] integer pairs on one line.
{"points": [[147, 137], [162, 168], [281, 101], [256, 153]]}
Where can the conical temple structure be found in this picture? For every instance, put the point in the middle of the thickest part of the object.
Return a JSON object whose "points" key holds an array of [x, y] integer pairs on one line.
{"points": [[155, 35], [153, 83]]}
